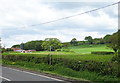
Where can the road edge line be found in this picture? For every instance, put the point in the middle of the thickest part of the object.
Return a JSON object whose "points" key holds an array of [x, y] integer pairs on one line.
{"points": [[5, 78], [34, 74]]}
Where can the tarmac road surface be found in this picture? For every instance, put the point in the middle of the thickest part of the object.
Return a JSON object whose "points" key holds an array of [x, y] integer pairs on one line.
{"points": [[11, 74]]}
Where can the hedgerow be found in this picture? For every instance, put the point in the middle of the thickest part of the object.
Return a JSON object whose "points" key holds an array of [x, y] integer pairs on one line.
{"points": [[102, 53], [104, 68]]}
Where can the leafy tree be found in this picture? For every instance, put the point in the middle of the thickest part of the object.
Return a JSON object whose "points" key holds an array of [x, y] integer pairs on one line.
{"points": [[98, 41], [65, 44], [36, 45], [16, 46], [115, 45], [22, 45], [107, 39], [53, 42], [81, 42], [113, 42], [89, 39], [119, 40], [74, 42], [2, 50], [8, 49]]}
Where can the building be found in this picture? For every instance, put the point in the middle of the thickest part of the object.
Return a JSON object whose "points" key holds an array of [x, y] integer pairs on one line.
{"points": [[16, 49], [22, 51]]}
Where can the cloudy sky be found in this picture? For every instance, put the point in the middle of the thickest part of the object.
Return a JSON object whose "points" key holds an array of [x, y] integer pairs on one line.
{"points": [[17, 16]]}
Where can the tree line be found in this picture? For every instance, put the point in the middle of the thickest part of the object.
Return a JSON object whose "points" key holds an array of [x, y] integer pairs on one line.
{"points": [[41, 45]]}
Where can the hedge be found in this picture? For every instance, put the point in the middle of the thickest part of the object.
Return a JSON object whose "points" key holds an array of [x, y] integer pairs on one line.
{"points": [[102, 52], [108, 68]]}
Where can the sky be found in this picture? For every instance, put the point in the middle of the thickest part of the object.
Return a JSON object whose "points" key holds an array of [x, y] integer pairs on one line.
{"points": [[17, 16]]}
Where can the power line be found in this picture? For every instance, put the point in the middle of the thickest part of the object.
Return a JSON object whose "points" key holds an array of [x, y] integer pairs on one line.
{"points": [[75, 15]]}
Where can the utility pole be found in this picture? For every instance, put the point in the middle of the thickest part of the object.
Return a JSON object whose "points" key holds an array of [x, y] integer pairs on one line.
{"points": [[50, 62]]}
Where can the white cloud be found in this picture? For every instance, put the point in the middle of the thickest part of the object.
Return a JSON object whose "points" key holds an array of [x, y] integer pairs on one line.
{"points": [[62, 35], [102, 19], [22, 13]]}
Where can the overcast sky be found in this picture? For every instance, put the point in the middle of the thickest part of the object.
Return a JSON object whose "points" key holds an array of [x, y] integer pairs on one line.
{"points": [[17, 15]]}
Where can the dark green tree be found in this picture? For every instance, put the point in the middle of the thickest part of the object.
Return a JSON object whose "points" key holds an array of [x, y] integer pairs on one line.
{"points": [[66, 44], [16, 46], [98, 41], [2, 50], [115, 45], [74, 42], [106, 39], [113, 42], [33, 45], [22, 45], [89, 39], [38, 46]]}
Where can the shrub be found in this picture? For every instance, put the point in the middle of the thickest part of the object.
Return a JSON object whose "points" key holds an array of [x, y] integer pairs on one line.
{"points": [[108, 68], [116, 58], [102, 53]]}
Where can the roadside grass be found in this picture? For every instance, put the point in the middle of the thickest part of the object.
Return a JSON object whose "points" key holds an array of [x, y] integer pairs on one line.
{"points": [[62, 71]]}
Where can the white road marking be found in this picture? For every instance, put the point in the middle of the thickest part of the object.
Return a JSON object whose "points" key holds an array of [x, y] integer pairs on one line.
{"points": [[34, 74], [5, 78]]}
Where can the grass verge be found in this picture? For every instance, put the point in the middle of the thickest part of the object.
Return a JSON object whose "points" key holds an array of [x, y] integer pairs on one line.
{"points": [[63, 71]]}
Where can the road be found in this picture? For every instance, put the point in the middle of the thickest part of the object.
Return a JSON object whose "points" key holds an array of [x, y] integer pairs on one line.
{"points": [[10, 74]]}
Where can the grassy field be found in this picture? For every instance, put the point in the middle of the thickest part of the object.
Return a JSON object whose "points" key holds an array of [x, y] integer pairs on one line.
{"points": [[79, 53], [87, 49], [82, 52]]}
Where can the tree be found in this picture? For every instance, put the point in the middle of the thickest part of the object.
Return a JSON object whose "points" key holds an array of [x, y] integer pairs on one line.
{"points": [[113, 42], [89, 39], [98, 41], [8, 49], [53, 42], [119, 40], [115, 45], [65, 44], [16, 46], [107, 39], [74, 42], [36, 45], [22, 45]]}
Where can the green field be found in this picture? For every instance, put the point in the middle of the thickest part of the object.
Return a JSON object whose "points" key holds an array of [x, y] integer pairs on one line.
{"points": [[81, 49], [79, 53], [82, 52], [87, 49]]}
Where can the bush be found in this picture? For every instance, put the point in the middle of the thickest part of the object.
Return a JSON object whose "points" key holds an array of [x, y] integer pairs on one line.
{"points": [[116, 58], [108, 68], [9, 49], [102, 53]]}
